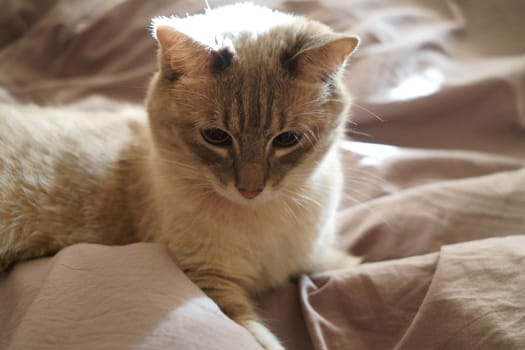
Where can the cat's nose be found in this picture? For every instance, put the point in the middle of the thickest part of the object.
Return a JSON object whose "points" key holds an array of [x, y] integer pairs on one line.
{"points": [[250, 194]]}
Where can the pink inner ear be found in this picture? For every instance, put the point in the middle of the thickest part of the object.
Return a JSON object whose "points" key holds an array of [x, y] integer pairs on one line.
{"points": [[183, 54], [322, 60]]}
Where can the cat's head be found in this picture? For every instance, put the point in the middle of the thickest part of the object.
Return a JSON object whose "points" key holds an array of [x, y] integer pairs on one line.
{"points": [[246, 113]]}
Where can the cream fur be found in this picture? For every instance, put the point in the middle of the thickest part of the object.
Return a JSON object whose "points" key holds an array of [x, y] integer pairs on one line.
{"points": [[70, 176]]}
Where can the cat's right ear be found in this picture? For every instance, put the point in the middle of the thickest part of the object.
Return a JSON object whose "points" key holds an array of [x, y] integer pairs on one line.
{"points": [[180, 54]]}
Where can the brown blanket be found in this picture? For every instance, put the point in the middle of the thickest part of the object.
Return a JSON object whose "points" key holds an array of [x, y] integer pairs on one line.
{"points": [[440, 221]]}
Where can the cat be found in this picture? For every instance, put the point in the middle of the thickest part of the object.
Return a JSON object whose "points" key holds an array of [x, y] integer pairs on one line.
{"points": [[235, 166]]}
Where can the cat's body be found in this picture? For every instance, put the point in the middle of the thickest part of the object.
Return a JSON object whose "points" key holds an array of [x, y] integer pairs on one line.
{"points": [[63, 179], [236, 168]]}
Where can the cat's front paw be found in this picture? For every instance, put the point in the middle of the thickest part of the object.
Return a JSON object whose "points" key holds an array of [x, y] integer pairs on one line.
{"points": [[263, 335]]}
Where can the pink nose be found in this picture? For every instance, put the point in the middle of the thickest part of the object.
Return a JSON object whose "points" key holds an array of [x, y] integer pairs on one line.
{"points": [[250, 194]]}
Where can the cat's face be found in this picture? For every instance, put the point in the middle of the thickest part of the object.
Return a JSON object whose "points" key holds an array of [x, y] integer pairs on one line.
{"points": [[247, 121]]}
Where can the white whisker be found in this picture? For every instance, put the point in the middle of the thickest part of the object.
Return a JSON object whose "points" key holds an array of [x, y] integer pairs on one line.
{"points": [[369, 111]]}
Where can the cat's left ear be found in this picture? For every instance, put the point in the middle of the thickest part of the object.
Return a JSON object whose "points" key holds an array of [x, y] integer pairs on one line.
{"points": [[323, 58], [181, 54]]}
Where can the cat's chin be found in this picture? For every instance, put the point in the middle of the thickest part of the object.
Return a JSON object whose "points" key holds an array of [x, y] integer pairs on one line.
{"points": [[234, 196]]}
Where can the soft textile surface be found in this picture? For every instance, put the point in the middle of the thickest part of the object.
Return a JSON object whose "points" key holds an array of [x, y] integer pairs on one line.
{"points": [[440, 221]]}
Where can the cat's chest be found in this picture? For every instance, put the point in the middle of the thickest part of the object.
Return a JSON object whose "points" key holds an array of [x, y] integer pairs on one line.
{"points": [[263, 249]]}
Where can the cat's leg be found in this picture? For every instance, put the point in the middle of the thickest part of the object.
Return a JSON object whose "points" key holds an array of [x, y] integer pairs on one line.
{"points": [[328, 256], [234, 302]]}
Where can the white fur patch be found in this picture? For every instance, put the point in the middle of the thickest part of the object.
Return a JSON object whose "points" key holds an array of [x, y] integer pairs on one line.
{"points": [[231, 20]]}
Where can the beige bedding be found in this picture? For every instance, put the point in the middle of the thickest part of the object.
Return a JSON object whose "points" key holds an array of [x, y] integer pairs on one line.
{"points": [[435, 205]]}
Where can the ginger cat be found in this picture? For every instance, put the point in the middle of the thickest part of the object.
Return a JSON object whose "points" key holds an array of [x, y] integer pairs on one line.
{"points": [[236, 166]]}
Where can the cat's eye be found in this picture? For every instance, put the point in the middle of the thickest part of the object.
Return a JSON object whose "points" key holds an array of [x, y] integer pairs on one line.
{"points": [[286, 139], [216, 136]]}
